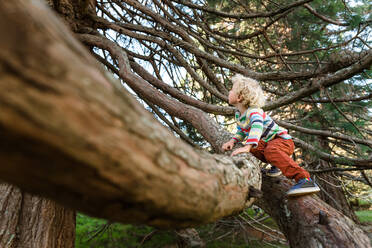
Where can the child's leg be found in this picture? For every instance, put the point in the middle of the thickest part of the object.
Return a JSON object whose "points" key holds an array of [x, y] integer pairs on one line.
{"points": [[277, 152], [258, 151]]}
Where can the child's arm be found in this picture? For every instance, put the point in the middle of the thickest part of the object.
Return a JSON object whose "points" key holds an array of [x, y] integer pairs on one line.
{"points": [[238, 137], [256, 125], [244, 149]]}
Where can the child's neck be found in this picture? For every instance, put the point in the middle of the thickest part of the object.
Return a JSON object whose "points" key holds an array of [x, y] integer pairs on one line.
{"points": [[241, 108]]}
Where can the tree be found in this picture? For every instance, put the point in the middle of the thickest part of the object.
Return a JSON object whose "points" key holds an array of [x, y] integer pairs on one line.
{"points": [[169, 170], [107, 100], [31, 221]]}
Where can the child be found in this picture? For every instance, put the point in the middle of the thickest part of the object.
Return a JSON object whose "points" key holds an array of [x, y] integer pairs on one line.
{"points": [[266, 140]]}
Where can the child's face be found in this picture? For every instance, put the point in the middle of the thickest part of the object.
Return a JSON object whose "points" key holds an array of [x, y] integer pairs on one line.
{"points": [[234, 98]]}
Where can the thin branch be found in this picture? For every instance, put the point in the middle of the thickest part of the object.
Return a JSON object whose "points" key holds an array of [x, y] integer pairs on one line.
{"points": [[326, 170], [351, 177], [344, 99], [329, 80], [365, 163], [173, 127], [242, 15], [342, 113], [324, 133], [324, 18]]}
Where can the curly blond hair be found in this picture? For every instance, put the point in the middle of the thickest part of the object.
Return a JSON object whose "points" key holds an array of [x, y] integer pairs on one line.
{"points": [[250, 90]]}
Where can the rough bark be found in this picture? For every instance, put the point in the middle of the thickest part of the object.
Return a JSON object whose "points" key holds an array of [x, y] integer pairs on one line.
{"points": [[88, 144], [92, 147], [33, 222], [332, 190], [75, 13], [333, 193], [307, 221]]}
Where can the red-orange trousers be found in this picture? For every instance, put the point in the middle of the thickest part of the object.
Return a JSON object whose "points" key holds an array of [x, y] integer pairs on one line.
{"points": [[277, 152]]}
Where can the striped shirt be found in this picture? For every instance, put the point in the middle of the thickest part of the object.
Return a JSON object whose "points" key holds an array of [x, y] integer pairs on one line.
{"points": [[254, 125]]}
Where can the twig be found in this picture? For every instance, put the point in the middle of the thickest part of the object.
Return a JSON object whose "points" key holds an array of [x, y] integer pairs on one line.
{"points": [[342, 113]]}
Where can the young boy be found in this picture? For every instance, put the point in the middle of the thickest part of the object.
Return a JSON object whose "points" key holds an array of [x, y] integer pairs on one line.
{"points": [[266, 140]]}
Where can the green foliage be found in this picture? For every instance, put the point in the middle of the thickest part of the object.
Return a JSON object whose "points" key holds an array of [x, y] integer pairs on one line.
{"points": [[129, 236], [355, 20], [331, 116], [90, 234], [241, 243], [365, 215], [213, 3], [309, 33]]}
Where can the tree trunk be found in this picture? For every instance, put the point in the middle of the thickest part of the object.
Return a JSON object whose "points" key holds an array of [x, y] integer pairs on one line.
{"points": [[75, 13], [307, 221], [33, 222], [85, 142], [332, 191]]}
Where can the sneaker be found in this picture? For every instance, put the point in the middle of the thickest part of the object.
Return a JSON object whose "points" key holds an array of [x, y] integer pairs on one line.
{"points": [[273, 172], [303, 187]]}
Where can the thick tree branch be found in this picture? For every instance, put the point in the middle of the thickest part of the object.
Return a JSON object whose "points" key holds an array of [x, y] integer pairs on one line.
{"points": [[79, 138], [309, 218]]}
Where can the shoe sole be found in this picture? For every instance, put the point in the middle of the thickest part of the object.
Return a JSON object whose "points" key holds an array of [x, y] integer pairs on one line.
{"points": [[274, 174], [303, 191]]}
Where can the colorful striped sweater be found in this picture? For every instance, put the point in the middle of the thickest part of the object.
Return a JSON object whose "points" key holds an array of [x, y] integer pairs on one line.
{"points": [[254, 125]]}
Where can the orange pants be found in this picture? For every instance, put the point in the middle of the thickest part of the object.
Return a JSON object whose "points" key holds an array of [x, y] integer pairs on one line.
{"points": [[277, 152]]}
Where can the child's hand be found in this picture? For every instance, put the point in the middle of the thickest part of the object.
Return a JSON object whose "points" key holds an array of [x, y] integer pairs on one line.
{"points": [[244, 149], [228, 145]]}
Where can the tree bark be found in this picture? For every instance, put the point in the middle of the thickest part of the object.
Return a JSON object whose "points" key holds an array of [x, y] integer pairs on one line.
{"points": [[74, 13], [332, 191], [33, 222], [88, 144], [83, 141], [307, 221]]}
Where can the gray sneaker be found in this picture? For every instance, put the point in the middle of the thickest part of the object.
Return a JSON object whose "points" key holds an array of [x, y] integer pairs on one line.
{"points": [[273, 172], [303, 187]]}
